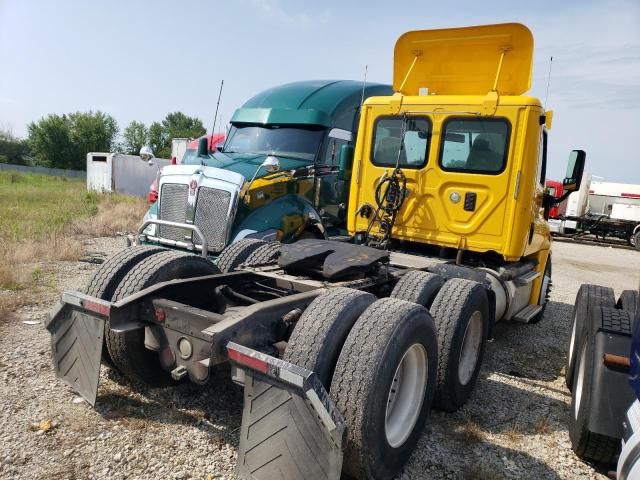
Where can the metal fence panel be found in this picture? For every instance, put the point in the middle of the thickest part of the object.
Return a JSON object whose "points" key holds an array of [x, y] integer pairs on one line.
{"points": [[56, 172]]}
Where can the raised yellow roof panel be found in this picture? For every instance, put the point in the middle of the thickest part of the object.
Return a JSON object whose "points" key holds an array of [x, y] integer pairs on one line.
{"points": [[464, 61]]}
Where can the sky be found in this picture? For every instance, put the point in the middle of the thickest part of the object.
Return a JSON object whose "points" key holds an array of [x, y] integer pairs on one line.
{"points": [[141, 59]]}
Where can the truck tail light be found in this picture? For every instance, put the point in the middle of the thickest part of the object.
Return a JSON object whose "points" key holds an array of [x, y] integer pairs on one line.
{"points": [[160, 315], [248, 361], [96, 307]]}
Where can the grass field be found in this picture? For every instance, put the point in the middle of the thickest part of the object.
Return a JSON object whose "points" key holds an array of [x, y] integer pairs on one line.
{"points": [[44, 219]]}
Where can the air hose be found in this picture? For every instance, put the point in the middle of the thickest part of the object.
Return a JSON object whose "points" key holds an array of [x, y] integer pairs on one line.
{"points": [[389, 195]]}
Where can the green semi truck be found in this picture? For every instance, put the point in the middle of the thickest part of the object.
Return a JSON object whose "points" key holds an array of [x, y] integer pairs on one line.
{"points": [[282, 173]]}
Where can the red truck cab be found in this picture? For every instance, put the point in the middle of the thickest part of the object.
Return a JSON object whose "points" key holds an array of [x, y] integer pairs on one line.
{"points": [[556, 190]]}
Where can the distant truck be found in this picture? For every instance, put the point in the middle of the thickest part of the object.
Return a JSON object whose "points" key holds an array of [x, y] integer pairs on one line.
{"points": [[275, 178], [190, 150], [602, 209]]}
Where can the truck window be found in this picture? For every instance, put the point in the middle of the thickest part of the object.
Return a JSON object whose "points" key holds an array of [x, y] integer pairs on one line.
{"points": [[475, 145], [542, 160], [336, 138], [289, 141], [386, 142]]}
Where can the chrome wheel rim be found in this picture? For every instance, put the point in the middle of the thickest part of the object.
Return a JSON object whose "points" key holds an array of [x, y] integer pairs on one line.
{"points": [[406, 394], [470, 351]]}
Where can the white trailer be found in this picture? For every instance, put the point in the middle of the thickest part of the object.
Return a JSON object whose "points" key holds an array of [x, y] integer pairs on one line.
{"points": [[117, 172], [603, 209]]}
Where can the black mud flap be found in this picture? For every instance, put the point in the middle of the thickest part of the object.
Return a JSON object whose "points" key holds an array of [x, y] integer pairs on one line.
{"points": [[290, 428], [76, 342]]}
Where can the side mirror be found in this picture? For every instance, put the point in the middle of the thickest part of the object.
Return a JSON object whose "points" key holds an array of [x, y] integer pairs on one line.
{"points": [[271, 164], [345, 162], [575, 169], [146, 154], [203, 147]]}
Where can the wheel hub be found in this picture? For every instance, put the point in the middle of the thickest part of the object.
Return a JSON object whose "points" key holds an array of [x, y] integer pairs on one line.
{"points": [[470, 351], [404, 401]]}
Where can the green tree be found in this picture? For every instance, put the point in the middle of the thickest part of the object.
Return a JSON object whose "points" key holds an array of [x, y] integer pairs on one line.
{"points": [[50, 141], [179, 125], [13, 150], [159, 140], [63, 141], [136, 135]]}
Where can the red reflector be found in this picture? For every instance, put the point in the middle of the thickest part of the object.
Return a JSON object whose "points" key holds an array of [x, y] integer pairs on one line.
{"points": [[160, 315], [631, 195], [248, 361], [97, 307]]}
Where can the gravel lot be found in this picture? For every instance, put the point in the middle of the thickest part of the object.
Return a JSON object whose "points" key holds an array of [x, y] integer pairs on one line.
{"points": [[514, 427]]}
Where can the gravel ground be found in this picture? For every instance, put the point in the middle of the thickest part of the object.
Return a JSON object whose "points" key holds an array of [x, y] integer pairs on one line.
{"points": [[515, 425]]}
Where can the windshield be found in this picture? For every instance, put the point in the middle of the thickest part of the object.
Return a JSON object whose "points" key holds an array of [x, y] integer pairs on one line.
{"points": [[294, 142]]}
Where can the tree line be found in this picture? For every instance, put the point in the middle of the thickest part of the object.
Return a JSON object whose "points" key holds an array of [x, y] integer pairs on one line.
{"points": [[63, 141]]}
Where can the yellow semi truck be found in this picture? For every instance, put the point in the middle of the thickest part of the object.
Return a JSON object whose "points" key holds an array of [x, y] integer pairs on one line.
{"points": [[344, 345]]}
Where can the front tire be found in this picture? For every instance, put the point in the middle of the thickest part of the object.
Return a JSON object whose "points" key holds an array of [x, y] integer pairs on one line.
{"points": [[127, 349], [266, 254], [235, 254], [383, 384]]}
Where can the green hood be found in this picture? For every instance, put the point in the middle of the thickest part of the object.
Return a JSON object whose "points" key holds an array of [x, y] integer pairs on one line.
{"points": [[243, 163]]}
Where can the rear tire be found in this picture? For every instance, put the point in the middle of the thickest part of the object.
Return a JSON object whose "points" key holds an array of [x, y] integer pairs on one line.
{"points": [[588, 297], [127, 349], [636, 240], [628, 301], [585, 443], [461, 313], [318, 336], [383, 384], [109, 275], [418, 287], [236, 253]]}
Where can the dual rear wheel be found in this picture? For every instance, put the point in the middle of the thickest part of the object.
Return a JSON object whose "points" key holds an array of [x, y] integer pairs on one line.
{"points": [[460, 309], [384, 361], [378, 360], [136, 268]]}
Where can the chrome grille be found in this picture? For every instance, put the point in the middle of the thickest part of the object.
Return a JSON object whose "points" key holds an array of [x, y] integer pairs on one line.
{"points": [[173, 207], [211, 217]]}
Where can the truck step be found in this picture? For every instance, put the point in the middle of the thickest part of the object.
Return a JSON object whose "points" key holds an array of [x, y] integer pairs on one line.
{"points": [[527, 313], [527, 278]]}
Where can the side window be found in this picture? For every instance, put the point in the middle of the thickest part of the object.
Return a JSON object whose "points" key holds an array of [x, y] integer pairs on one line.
{"points": [[542, 160], [475, 145], [388, 135], [335, 140]]}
